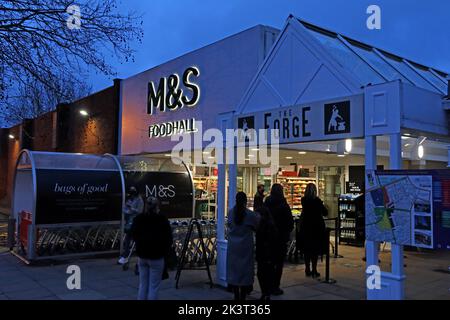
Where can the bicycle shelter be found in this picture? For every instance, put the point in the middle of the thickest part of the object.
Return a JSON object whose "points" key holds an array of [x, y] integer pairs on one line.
{"points": [[71, 204]]}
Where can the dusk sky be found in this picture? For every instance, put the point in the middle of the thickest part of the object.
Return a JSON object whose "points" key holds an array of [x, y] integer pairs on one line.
{"points": [[415, 29]]}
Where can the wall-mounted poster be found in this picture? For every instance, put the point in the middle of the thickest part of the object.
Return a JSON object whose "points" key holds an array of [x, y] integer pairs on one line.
{"points": [[399, 209]]}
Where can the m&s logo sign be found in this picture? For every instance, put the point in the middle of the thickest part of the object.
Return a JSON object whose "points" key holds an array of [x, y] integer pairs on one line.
{"points": [[169, 94]]}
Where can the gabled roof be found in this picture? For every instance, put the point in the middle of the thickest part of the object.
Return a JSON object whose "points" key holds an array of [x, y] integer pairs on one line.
{"points": [[371, 65]]}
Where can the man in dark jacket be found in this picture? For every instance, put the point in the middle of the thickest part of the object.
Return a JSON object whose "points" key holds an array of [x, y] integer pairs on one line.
{"points": [[258, 200], [284, 222]]}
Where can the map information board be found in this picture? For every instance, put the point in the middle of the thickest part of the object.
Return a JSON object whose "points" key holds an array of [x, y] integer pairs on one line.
{"points": [[399, 209]]}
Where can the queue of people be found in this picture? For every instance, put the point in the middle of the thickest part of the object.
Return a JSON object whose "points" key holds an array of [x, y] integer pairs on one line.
{"points": [[272, 223]]}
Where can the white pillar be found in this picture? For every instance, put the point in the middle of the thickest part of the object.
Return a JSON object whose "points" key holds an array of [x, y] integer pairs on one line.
{"points": [[221, 241], [448, 158], [395, 163], [232, 185], [221, 268], [221, 207], [371, 246]]}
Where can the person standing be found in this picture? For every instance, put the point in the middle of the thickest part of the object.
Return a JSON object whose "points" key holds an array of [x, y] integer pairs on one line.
{"points": [[284, 222], [134, 205], [258, 200], [242, 224], [152, 233], [266, 252], [311, 238]]}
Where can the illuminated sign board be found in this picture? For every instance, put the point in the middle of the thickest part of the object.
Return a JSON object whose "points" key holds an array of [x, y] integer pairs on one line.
{"points": [[172, 94], [169, 95]]}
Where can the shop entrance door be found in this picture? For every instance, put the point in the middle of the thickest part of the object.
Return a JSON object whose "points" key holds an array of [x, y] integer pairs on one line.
{"points": [[248, 179], [331, 183]]}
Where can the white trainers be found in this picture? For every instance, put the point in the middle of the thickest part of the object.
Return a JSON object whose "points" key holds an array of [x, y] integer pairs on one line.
{"points": [[122, 260]]}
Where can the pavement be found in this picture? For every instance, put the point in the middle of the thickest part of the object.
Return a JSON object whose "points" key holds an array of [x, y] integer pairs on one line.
{"points": [[428, 277]]}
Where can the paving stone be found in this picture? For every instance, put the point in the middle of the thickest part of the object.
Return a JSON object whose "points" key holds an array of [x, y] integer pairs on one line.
{"points": [[104, 279], [298, 293], [33, 294], [103, 284], [119, 291], [21, 286], [82, 295], [326, 296]]}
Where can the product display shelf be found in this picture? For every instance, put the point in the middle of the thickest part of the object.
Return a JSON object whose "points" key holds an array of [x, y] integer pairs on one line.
{"points": [[207, 198], [351, 216], [294, 189]]}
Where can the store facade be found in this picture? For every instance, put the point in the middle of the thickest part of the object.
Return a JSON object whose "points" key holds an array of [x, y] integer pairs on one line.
{"points": [[316, 85], [182, 94], [340, 107]]}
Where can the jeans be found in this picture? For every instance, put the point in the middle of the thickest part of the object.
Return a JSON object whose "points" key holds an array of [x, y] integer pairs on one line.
{"points": [[150, 276], [126, 245]]}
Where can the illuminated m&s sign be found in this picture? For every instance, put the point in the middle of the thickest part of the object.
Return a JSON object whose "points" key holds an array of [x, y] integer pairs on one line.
{"points": [[170, 96]]}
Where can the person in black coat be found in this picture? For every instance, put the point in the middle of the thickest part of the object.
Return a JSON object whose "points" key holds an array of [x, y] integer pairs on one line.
{"points": [[258, 200], [152, 235], [266, 252], [284, 222], [311, 238]]}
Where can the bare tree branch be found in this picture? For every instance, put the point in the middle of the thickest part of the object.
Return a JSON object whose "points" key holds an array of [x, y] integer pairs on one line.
{"points": [[43, 61]]}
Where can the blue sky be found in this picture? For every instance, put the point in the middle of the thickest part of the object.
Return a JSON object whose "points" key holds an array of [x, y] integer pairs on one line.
{"points": [[415, 29]]}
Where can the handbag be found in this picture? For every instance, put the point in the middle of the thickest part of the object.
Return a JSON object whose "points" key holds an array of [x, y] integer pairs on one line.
{"points": [[165, 274], [171, 259]]}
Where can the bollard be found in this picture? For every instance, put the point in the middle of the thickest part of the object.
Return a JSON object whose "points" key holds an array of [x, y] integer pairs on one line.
{"points": [[337, 233], [327, 261]]}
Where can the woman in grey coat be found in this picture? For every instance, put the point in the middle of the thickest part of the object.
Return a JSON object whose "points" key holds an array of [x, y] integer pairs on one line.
{"points": [[242, 224]]}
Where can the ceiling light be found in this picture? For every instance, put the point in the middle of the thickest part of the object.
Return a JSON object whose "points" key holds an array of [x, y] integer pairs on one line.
{"points": [[348, 145], [420, 151], [341, 155], [302, 152], [84, 113], [255, 149], [289, 158], [167, 155], [11, 137]]}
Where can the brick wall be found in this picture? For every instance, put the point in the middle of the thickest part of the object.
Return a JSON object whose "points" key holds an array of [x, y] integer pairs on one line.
{"points": [[43, 132], [96, 133], [9, 149]]}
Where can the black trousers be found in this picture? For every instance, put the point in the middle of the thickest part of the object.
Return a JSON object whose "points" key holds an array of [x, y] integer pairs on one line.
{"points": [[311, 261], [241, 292], [266, 277], [279, 264]]}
